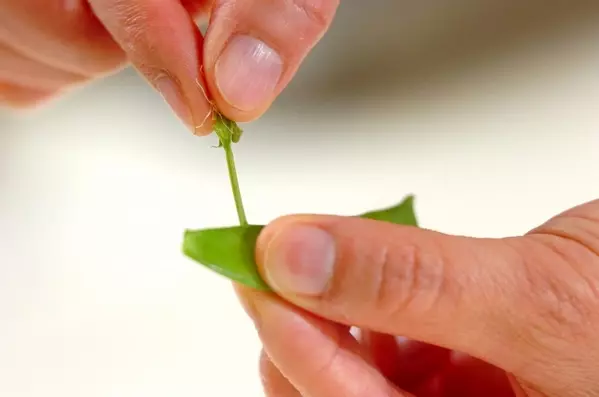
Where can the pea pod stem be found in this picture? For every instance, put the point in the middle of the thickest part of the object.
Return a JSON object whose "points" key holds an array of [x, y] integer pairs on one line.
{"points": [[235, 183]]}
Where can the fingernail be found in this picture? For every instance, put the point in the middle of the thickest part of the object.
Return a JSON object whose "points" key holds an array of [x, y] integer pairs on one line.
{"points": [[172, 94], [248, 72], [300, 260]]}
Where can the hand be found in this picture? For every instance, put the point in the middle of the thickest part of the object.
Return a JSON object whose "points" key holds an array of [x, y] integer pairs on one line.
{"points": [[251, 51], [522, 312]]}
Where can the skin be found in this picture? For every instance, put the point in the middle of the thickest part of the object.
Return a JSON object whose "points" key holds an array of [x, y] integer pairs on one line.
{"points": [[75, 41], [517, 316], [479, 317]]}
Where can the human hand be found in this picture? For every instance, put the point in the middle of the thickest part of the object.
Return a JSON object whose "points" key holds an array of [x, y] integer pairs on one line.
{"points": [[523, 312], [251, 51]]}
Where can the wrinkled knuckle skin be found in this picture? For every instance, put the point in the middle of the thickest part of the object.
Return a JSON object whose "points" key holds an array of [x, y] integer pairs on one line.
{"points": [[579, 225], [564, 289], [390, 280], [409, 281], [565, 282], [132, 18]]}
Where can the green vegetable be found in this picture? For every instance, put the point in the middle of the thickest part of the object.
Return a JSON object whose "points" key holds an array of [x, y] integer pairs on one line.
{"points": [[400, 214], [230, 251]]}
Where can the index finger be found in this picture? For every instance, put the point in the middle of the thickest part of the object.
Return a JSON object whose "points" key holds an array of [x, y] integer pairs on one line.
{"points": [[163, 42], [318, 357]]}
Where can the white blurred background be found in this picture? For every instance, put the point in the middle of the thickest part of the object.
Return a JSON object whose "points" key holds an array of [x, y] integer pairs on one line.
{"points": [[487, 110]]}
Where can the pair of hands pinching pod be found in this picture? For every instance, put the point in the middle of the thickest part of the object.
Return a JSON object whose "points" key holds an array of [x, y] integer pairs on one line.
{"points": [[230, 251]]}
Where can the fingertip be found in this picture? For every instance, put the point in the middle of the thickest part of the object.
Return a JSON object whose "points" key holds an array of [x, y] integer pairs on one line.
{"points": [[300, 260], [190, 108], [164, 44], [24, 98], [267, 234], [244, 78], [283, 224], [172, 93], [250, 62]]}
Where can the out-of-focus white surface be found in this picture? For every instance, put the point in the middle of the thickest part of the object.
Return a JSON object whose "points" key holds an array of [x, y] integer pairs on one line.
{"points": [[97, 188]]}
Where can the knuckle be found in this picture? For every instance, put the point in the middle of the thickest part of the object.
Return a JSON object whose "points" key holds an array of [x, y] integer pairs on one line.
{"points": [[566, 297], [579, 225], [409, 280]]}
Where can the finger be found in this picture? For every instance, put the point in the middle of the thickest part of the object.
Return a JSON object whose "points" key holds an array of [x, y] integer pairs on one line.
{"points": [[383, 350], [527, 293], [164, 44], [19, 69], [253, 49], [517, 387], [319, 358], [63, 34], [418, 362], [19, 97], [469, 377], [198, 8], [273, 381], [407, 363]]}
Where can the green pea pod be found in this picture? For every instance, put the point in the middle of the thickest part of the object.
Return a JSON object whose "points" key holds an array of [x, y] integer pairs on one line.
{"points": [[228, 251], [231, 251], [400, 214]]}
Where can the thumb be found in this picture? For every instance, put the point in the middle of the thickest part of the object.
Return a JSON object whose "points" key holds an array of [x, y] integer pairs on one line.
{"points": [[254, 47], [511, 302]]}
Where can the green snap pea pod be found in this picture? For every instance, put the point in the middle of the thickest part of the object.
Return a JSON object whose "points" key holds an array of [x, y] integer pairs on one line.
{"points": [[400, 214], [230, 251]]}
